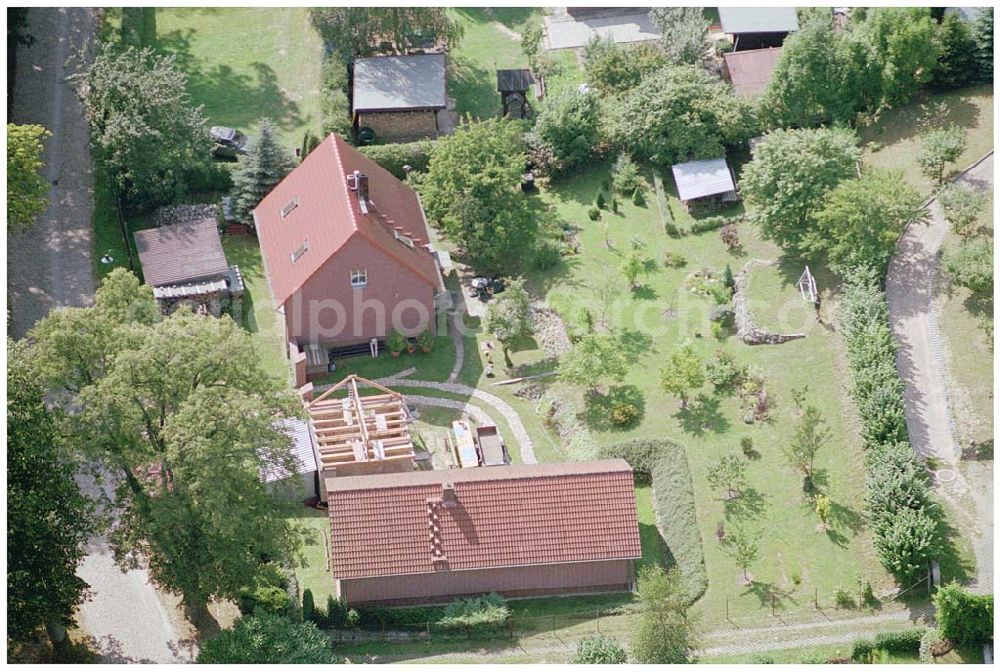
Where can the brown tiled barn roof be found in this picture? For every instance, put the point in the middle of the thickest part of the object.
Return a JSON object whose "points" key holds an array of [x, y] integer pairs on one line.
{"points": [[411, 523], [181, 253], [750, 71]]}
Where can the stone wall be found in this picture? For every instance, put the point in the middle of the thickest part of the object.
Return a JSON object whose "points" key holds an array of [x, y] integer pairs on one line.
{"points": [[401, 125]]}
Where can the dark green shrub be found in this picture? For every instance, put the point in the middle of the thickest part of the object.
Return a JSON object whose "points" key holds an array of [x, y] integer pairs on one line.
{"points": [[482, 614], [863, 651], [336, 612], [624, 414], [601, 201], [308, 606], [746, 445], [334, 107], [599, 650], [708, 224], [569, 125], [725, 373], [268, 592], [614, 204], [963, 617], [674, 259], [393, 157], [594, 213], [903, 641], [268, 638], [970, 265], [638, 197], [625, 175]]}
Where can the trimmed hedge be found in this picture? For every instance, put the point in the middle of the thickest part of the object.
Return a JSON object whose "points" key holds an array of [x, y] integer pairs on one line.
{"points": [[964, 617], [709, 224], [482, 614], [898, 504], [393, 157], [902, 641], [665, 464], [334, 106]]}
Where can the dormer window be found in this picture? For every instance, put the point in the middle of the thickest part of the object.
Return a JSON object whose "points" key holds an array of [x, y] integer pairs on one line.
{"points": [[299, 251], [405, 240], [359, 277], [291, 205]]}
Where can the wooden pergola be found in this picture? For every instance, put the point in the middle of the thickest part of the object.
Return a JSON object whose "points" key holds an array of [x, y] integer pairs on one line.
{"points": [[361, 434]]}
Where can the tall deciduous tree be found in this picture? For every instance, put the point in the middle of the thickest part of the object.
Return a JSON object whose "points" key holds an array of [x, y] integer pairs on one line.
{"points": [[48, 518], [666, 630], [258, 171], [593, 359], [903, 42], [613, 68], [147, 133], [27, 190], [472, 189], [509, 316], [684, 34], [182, 416], [362, 31], [938, 148], [962, 205], [569, 125], [683, 373], [862, 219], [789, 176], [680, 113]]}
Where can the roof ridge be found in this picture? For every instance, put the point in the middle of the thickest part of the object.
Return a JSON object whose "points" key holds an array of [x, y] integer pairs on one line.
{"points": [[343, 183]]}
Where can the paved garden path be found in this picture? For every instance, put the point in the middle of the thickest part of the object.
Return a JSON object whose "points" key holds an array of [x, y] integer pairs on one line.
{"points": [[909, 293], [49, 265]]}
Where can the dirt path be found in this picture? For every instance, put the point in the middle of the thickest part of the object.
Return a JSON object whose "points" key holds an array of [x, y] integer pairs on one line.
{"points": [[909, 293], [50, 265]]}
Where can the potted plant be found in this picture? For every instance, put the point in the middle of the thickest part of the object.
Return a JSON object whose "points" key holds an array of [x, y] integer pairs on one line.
{"points": [[426, 340], [395, 342], [411, 347]]}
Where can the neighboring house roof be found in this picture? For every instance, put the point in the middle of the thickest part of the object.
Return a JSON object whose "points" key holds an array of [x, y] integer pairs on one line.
{"points": [[748, 20], [515, 515], [970, 14], [510, 81], [302, 450], [181, 253], [697, 179], [386, 83], [750, 71], [325, 214]]}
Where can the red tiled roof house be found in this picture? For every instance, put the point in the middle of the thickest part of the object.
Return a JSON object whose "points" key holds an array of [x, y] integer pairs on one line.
{"points": [[519, 530], [346, 250]]}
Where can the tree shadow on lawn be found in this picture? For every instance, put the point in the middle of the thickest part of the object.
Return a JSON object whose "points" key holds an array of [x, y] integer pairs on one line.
{"points": [[645, 293], [703, 414], [768, 593], [598, 407], [473, 88], [634, 344], [750, 504], [229, 97], [511, 17], [922, 115]]}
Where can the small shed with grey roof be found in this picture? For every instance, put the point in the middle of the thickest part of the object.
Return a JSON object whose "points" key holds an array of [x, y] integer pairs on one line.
{"points": [[185, 263], [758, 27], [303, 482], [513, 85], [399, 97], [707, 181]]}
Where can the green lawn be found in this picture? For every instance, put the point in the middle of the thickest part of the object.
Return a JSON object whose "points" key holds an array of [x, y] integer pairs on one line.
{"points": [[968, 353], [796, 558], [487, 45], [894, 140], [257, 313], [313, 573], [247, 63]]}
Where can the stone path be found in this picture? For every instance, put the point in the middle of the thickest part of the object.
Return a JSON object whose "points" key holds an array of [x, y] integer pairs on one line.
{"points": [[505, 409], [49, 265], [456, 337], [909, 294]]}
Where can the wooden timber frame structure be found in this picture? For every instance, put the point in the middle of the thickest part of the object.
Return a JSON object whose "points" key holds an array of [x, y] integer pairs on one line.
{"points": [[360, 435]]}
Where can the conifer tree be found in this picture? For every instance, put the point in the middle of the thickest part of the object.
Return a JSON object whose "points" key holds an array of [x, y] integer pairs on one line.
{"points": [[259, 170]]}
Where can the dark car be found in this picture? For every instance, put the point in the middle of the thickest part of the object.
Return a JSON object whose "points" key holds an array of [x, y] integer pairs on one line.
{"points": [[229, 142]]}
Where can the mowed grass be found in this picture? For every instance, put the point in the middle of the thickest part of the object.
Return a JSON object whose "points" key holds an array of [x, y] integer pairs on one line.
{"points": [[486, 46], [247, 63], [257, 314], [967, 351], [312, 573], [894, 140], [796, 558]]}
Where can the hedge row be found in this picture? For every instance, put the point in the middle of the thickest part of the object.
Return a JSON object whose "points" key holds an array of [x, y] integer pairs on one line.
{"points": [[665, 464], [900, 642], [334, 105], [393, 157], [898, 504]]}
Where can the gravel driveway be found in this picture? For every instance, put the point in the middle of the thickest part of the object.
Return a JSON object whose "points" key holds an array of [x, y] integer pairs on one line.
{"points": [[966, 486]]}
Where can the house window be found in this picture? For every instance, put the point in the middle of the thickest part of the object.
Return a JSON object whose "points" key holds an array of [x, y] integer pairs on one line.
{"points": [[359, 278], [291, 205], [300, 251]]}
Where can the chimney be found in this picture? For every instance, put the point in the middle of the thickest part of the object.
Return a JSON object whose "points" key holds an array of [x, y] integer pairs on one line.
{"points": [[358, 183], [448, 496]]}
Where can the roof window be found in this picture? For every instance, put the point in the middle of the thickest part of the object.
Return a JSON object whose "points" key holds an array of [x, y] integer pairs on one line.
{"points": [[300, 251], [291, 205]]}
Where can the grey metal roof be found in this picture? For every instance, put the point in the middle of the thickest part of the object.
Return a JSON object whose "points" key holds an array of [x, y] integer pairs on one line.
{"points": [[748, 20], [181, 253], [302, 451], [697, 179], [385, 83]]}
